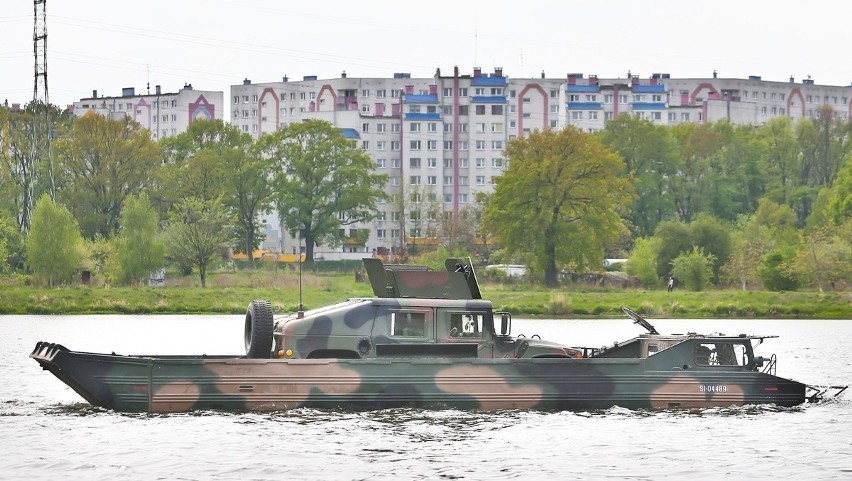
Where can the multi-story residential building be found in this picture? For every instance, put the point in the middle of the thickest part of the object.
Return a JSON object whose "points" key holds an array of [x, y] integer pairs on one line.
{"points": [[164, 114], [440, 140]]}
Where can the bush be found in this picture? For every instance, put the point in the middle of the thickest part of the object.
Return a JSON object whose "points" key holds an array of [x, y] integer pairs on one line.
{"points": [[694, 269]]}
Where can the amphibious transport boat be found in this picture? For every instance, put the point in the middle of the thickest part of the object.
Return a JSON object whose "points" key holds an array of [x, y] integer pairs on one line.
{"points": [[427, 339]]}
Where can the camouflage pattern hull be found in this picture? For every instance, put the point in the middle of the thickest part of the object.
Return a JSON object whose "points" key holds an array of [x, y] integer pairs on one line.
{"points": [[167, 384]]}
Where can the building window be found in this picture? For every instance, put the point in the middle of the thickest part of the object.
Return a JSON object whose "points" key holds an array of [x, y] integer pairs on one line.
{"points": [[497, 127], [448, 92], [463, 144], [497, 162], [480, 179], [463, 163], [448, 145], [448, 128], [381, 128], [365, 144], [463, 110], [414, 127], [448, 163], [394, 145], [380, 163], [414, 163], [593, 115], [414, 180], [479, 91], [448, 180], [480, 110], [432, 179], [395, 163], [395, 128], [414, 144], [463, 92], [591, 98], [380, 94], [432, 162], [496, 110], [480, 127], [480, 145], [432, 127], [480, 162], [365, 127], [576, 115], [432, 144], [496, 145], [463, 128], [608, 98]]}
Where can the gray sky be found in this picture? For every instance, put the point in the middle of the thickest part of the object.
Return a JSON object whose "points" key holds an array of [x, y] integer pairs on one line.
{"points": [[212, 44]]}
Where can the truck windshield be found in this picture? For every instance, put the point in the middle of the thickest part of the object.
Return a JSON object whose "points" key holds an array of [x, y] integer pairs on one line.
{"points": [[720, 354]]}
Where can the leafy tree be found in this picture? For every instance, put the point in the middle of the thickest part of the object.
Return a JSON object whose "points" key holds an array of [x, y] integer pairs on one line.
{"points": [[749, 243], [197, 233], [8, 236], [776, 271], [212, 158], [673, 239], [642, 261], [323, 181], [780, 158], [694, 268], [54, 242], [105, 161], [138, 249], [825, 258], [696, 182], [650, 158], [838, 206], [713, 237], [559, 202]]}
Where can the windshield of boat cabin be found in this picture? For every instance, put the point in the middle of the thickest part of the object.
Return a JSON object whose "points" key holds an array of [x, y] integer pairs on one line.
{"points": [[720, 354]]}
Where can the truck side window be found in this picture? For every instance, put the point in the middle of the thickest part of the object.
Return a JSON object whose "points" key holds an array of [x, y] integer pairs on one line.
{"points": [[408, 324], [465, 325]]}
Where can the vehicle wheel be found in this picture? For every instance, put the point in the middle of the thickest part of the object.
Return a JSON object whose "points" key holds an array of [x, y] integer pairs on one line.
{"points": [[258, 335]]}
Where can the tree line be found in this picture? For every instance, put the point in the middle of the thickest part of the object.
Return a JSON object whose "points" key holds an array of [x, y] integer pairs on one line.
{"points": [[715, 203]]}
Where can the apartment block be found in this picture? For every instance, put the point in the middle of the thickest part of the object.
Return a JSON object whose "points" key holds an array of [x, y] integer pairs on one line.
{"points": [[164, 114], [440, 140]]}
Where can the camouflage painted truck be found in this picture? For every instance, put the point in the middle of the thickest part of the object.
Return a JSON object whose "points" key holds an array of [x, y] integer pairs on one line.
{"points": [[426, 339]]}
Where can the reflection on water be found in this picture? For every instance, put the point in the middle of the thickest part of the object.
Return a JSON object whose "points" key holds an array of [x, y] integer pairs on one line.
{"points": [[46, 430]]}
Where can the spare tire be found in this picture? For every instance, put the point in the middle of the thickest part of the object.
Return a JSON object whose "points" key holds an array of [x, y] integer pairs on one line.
{"points": [[258, 332]]}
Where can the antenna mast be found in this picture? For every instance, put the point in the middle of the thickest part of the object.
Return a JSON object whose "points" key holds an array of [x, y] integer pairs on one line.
{"points": [[41, 114]]}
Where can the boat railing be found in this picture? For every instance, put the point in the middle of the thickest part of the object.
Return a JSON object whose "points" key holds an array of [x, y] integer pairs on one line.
{"points": [[771, 366]]}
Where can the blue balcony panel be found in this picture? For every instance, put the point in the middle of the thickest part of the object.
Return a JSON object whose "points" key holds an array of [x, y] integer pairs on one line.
{"points": [[648, 89], [584, 106], [493, 81], [350, 133], [648, 106], [488, 99], [420, 98], [586, 89], [423, 116]]}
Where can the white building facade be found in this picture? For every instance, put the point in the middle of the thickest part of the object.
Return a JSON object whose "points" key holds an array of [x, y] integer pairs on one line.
{"points": [[440, 140], [164, 114]]}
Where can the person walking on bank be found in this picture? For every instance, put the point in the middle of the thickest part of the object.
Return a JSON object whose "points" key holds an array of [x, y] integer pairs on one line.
{"points": [[671, 283]]}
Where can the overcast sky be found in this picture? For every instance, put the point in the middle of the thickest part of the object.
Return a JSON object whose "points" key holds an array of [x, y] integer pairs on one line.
{"points": [[212, 44]]}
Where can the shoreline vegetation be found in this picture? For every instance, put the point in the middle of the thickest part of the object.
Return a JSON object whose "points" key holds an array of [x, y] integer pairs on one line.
{"points": [[231, 293]]}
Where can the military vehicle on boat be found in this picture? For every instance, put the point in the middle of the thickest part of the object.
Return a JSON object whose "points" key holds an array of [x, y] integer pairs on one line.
{"points": [[427, 339]]}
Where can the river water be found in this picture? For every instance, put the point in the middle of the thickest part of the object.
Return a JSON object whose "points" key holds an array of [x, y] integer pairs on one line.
{"points": [[47, 431]]}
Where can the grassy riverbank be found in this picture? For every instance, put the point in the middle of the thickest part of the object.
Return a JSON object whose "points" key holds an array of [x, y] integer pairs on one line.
{"points": [[230, 294]]}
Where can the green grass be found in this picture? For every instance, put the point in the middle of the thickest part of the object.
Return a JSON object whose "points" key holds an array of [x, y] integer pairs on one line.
{"points": [[230, 293]]}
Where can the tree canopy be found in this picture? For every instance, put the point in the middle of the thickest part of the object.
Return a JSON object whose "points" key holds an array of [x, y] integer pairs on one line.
{"points": [[104, 161], [138, 248], [54, 242], [560, 200], [323, 181], [197, 234]]}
